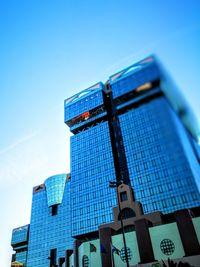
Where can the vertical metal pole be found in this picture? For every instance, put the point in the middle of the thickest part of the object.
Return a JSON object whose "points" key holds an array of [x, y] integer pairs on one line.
{"points": [[112, 255], [122, 226]]}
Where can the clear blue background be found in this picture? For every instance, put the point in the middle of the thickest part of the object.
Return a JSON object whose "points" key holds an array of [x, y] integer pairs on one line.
{"points": [[50, 50]]}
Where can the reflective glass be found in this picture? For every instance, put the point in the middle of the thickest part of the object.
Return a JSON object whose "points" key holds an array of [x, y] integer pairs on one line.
{"points": [[49, 232]]}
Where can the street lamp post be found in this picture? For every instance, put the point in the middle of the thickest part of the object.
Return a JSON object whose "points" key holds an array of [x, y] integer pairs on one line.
{"points": [[116, 185]]}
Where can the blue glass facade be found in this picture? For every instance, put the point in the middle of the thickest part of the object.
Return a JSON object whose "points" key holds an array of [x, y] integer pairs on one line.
{"points": [[20, 235], [130, 78], [92, 168], [141, 129], [84, 106], [136, 128], [19, 242], [55, 187], [22, 257], [160, 172], [49, 230]]}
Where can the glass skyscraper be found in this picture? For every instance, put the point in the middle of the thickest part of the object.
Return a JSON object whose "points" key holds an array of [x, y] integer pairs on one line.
{"points": [[19, 242], [136, 128], [50, 231]]}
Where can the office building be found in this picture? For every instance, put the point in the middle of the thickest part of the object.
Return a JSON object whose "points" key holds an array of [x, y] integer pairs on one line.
{"points": [[150, 238], [19, 242], [136, 128], [50, 226]]}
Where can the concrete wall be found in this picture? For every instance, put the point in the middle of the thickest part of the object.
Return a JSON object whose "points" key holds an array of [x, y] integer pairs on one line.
{"points": [[196, 223], [163, 236], [165, 239], [93, 257], [131, 244]]}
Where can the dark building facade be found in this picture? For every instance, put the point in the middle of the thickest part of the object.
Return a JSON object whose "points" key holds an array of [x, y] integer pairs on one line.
{"points": [[135, 129]]}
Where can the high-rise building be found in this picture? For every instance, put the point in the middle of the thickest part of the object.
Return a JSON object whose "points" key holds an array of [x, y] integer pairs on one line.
{"points": [[50, 230], [19, 243], [136, 128]]}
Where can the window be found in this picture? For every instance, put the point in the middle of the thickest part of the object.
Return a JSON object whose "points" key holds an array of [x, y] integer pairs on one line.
{"points": [[52, 257], [74, 226], [164, 205], [194, 196], [148, 178], [154, 205], [88, 222], [183, 199], [54, 210], [123, 196], [160, 189], [142, 193], [169, 186], [96, 220], [127, 213], [81, 211], [173, 201], [179, 184], [151, 191], [102, 205], [140, 180]]}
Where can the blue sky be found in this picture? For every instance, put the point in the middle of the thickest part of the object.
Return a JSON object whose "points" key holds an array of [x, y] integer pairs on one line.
{"points": [[50, 50]]}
